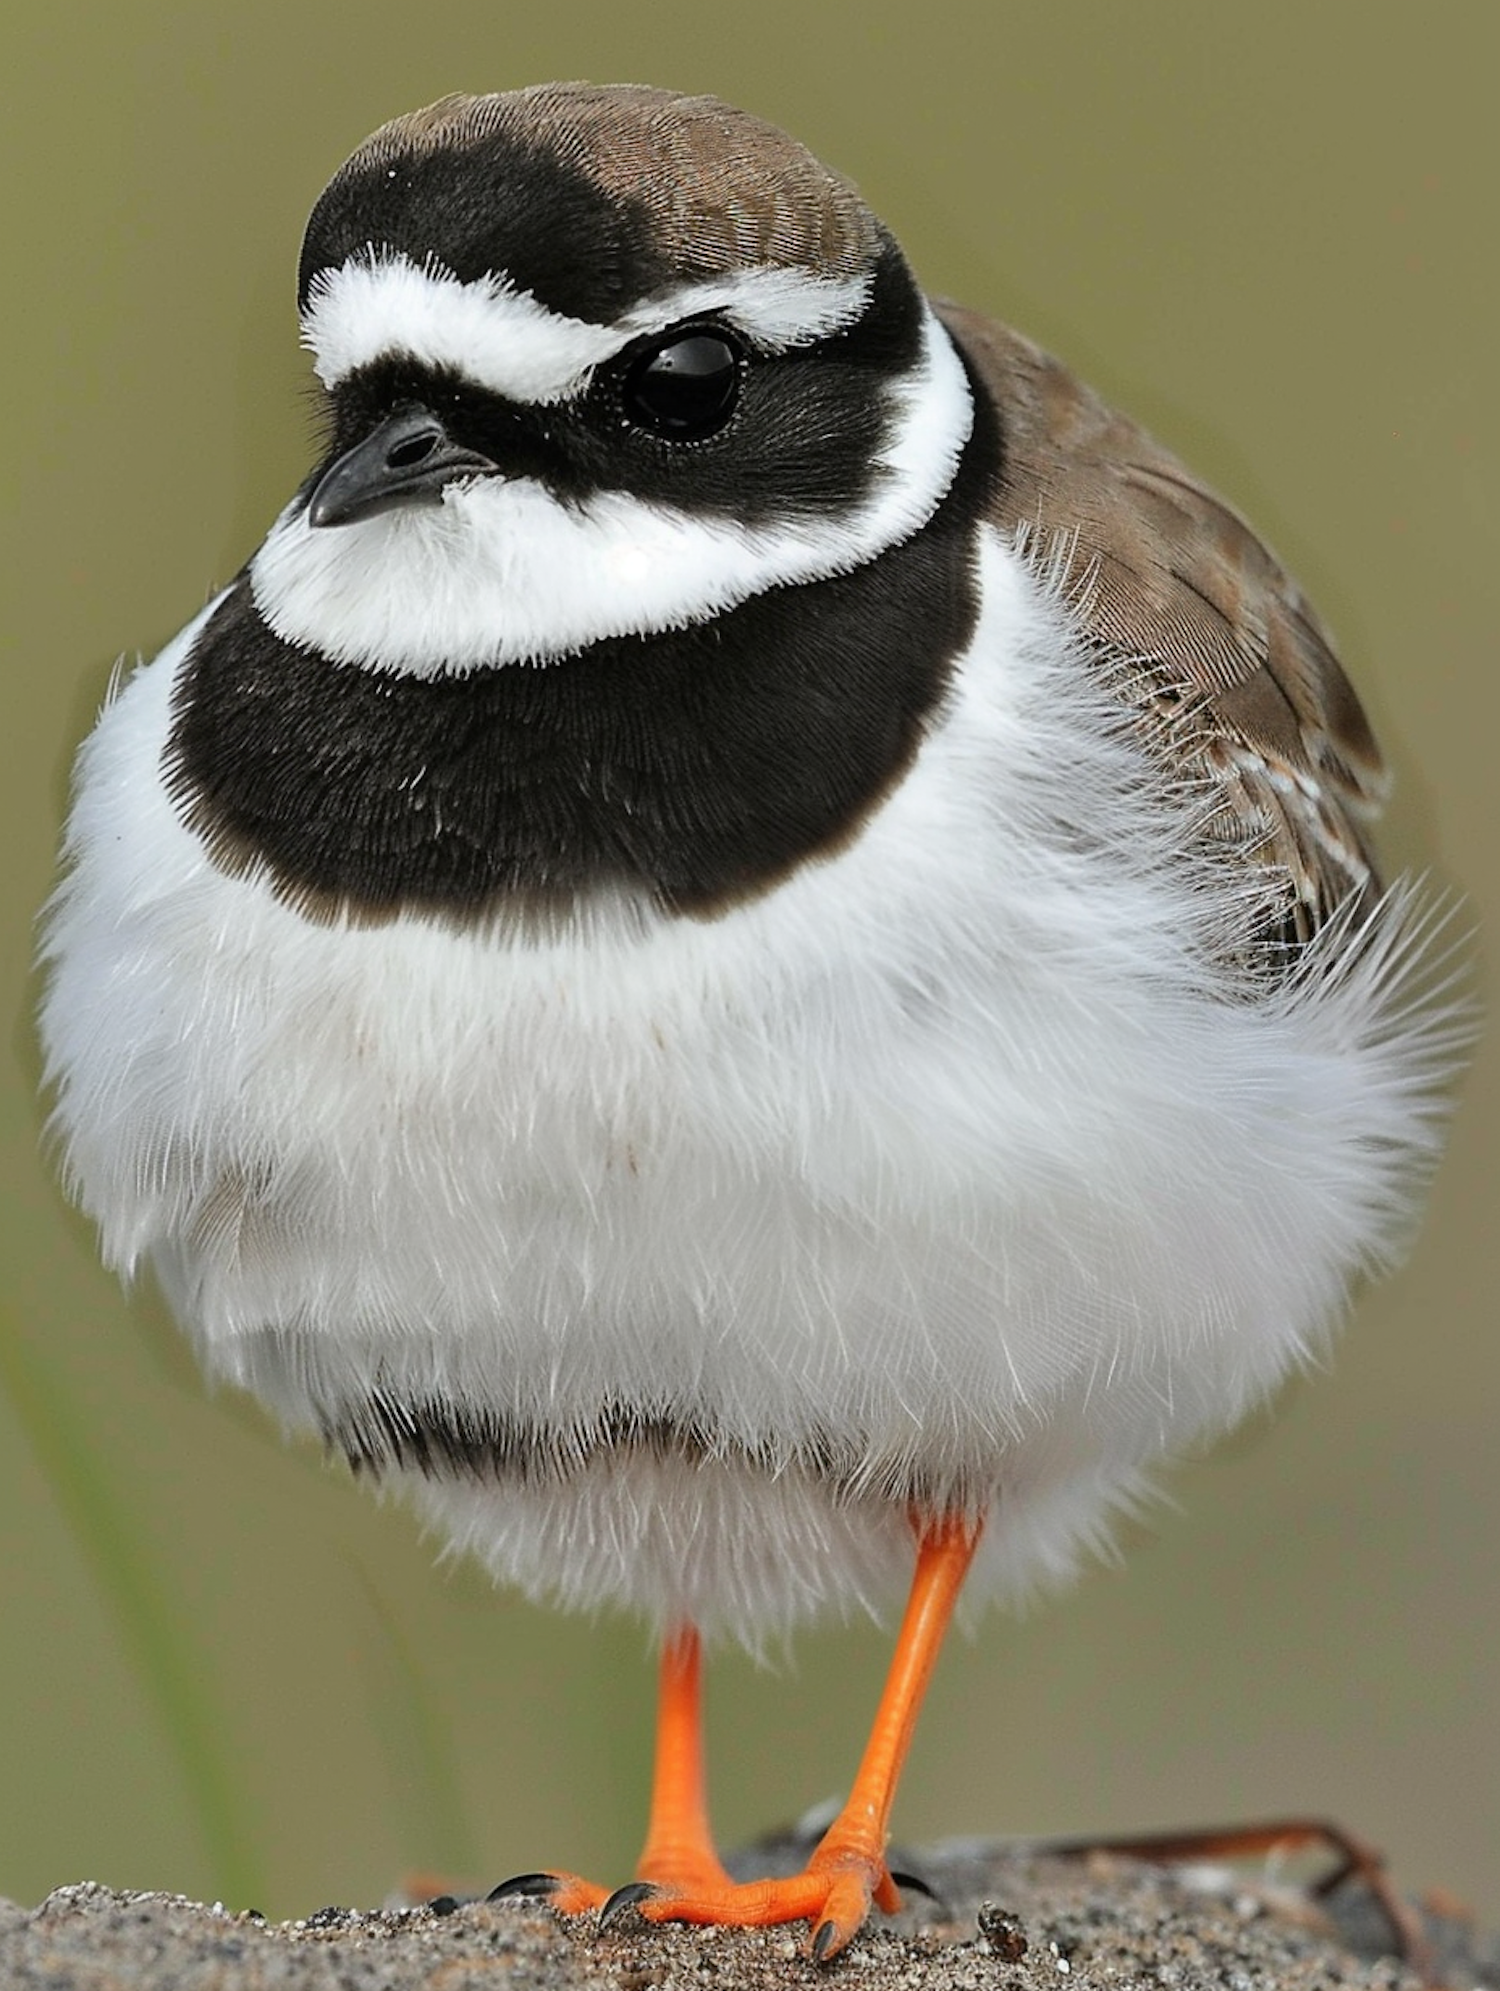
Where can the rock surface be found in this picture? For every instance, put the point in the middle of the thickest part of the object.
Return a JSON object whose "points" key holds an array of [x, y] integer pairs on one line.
{"points": [[1010, 1920]]}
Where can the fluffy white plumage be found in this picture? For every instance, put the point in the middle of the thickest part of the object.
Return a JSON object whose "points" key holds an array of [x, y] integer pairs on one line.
{"points": [[960, 1145]]}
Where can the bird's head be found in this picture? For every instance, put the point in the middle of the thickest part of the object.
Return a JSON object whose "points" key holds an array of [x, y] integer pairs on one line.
{"points": [[598, 363]]}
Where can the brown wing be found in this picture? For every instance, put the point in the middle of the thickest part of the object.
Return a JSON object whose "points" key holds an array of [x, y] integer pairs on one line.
{"points": [[1214, 645]]}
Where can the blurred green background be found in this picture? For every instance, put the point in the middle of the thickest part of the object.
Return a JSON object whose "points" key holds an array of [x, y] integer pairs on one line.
{"points": [[1267, 230]]}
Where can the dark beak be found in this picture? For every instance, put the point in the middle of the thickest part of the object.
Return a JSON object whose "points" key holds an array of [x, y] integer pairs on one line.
{"points": [[409, 460]]}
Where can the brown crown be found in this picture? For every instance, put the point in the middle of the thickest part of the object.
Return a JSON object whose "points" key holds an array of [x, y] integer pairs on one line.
{"points": [[723, 189]]}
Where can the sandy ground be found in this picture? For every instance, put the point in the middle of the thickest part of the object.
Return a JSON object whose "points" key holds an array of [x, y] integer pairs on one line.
{"points": [[1011, 1920]]}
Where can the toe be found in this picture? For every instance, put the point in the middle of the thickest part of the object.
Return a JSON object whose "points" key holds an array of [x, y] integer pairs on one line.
{"points": [[842, 1915], [631, 1895], [566, 1892]]}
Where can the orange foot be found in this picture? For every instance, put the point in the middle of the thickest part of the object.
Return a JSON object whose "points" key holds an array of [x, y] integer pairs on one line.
{"points": [[834, 1892]]}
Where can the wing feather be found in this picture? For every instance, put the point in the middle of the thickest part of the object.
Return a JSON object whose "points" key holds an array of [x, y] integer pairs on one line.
{"points": [[1231, 675]]}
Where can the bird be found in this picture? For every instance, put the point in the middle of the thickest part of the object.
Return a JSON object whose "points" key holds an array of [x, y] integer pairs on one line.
{"points": [[747, 954]]}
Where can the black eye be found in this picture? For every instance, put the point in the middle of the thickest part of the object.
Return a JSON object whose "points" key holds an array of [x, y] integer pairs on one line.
{"points": [[685, 386]]}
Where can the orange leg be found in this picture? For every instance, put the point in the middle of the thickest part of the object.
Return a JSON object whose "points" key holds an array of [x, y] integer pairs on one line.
{"points": [[681, 1879], [679, 1850], [679, 1854]]}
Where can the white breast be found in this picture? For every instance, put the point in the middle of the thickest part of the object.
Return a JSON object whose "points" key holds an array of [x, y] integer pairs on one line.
{"points": [[957, 1147]]}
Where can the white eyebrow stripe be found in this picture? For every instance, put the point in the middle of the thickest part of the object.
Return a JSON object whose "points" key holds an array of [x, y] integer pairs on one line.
{"points": [[501, 338]]}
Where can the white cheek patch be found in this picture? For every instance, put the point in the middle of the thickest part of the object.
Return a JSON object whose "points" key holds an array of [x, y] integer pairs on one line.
{"points": [[502, 573], [503, 339]]}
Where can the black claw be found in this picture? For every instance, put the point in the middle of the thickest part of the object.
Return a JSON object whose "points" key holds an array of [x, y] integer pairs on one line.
{"points": [[443, 1904], [624, 1898], [913, 1883], [538, 1884], [822, 1940]]}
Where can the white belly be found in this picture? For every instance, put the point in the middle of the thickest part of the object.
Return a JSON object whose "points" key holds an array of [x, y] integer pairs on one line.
{"points": [[951, 1169]]}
